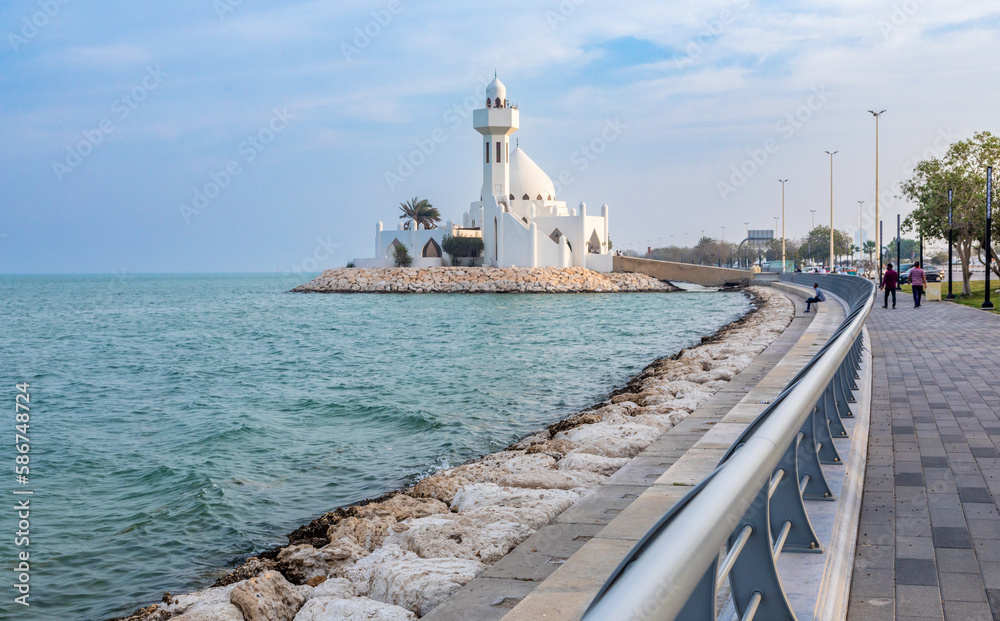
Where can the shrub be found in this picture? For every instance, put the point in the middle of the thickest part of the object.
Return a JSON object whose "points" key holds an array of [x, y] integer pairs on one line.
{"points": [[350, 263], [462, 247], [402, 256]]}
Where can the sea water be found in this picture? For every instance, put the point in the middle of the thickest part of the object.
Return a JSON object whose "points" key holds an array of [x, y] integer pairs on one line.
{"points": [[179, 423]]}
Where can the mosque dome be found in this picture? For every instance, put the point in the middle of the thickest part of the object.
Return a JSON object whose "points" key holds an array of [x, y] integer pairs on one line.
{"points": [[496, 89], [528, 179]]}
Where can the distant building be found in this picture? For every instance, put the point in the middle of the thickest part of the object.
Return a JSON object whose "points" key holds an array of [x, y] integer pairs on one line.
{"points": [[517, 214]]}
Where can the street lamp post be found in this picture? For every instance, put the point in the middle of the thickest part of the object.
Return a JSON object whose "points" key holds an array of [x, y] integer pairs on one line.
{"points": [[775, 226], [879, 236], [747, 251], [831, 153], [783, 182], [951, 231], [878, 233], [722, 243], [861, 232], [987, 241], [899, 254], [813, 212]]}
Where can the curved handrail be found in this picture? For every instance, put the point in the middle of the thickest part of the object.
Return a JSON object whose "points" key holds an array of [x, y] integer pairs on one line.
{"points": [[665, 568]]}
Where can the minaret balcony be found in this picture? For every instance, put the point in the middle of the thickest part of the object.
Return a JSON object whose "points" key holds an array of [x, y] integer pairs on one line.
{"points": [[496, 121]]}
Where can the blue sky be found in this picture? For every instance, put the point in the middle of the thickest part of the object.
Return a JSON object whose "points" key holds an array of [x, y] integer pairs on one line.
{"points": [[116, 117]]}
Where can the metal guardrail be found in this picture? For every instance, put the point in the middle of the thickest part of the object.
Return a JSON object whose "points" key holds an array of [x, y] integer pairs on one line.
{"points": [[752, 503]]}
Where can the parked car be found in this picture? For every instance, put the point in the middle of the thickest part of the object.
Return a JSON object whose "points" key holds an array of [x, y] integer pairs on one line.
{"points": [[932, 273]]}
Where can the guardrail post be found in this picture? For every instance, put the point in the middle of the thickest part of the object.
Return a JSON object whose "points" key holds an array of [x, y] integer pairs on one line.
{"points": [[828, 453], [754, 570], [842, 393], [809, 465], [833, 407], [786, 505], [858, 353], [847, 381]]}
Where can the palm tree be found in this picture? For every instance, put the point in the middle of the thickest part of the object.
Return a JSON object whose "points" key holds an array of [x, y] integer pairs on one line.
{"points": [[422, 211]]}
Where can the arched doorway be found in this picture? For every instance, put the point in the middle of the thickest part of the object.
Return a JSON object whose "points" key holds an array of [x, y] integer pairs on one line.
{"points": [[594, 245]]}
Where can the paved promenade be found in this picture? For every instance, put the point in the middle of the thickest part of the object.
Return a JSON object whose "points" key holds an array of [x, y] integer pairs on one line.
{"points": [[929, 540]]}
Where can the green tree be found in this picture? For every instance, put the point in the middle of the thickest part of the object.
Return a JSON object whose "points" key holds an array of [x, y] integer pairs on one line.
{"points": [[910, 251], [963, 170], [816, 246], [402, 256], [419, 209]]}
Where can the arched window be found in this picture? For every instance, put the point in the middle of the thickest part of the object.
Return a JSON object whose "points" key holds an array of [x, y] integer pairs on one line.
{"points": [[550, 197], [511, 197], [431, 250], [489, 103], [498, 102], [538, 198], [525, 197]]}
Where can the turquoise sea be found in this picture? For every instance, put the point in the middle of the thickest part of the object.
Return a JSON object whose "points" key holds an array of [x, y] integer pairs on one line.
{"points": [[180, 423]]}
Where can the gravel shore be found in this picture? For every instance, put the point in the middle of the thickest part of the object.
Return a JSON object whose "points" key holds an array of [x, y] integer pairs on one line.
{"points": [[396, 557]]}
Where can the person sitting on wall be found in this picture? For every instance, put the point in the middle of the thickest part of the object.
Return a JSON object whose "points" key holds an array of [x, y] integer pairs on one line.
{"points": [[816, 298]]}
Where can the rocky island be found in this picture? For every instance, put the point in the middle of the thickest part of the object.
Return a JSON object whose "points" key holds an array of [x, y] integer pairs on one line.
{"points": [[479, 280]]}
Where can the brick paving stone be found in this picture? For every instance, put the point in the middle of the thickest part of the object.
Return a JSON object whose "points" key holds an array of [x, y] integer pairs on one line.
{"points": [[951, 537], [934, 468], [916, 572]]}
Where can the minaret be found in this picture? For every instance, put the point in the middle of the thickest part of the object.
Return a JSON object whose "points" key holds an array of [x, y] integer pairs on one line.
{"points": [[496, 122]]}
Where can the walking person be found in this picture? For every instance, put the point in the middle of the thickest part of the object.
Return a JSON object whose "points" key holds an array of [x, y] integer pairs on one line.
{"points": [[917, 281], [890, 280], [816, 298]]}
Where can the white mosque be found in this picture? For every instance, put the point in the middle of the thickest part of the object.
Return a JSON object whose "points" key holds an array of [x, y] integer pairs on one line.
{"points": [[517, 214]]}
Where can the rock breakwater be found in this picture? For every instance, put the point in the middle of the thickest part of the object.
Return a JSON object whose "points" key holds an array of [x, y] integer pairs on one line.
{"points": [[396, 557], [479, 280]]}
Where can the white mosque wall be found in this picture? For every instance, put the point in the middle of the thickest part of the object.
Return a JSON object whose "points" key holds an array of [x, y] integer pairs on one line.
{"points": [[603, 263], [417, 262], [418, 242]]}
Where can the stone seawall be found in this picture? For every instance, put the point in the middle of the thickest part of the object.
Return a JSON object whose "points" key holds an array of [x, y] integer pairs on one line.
{"points": [[479, 280], [396, 557]]}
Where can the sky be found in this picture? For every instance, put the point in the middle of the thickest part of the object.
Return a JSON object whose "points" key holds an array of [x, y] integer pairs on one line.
{"points": [[251, 136]]}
